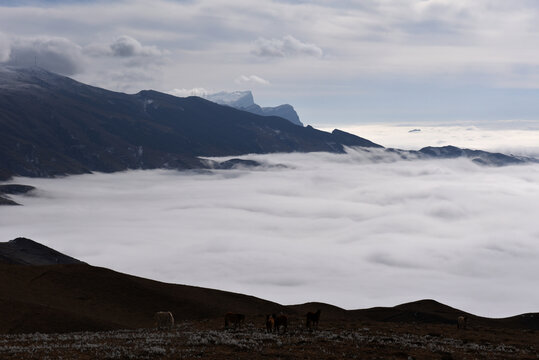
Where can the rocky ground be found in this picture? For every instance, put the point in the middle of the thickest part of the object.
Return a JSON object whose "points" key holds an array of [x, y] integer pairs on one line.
{"points": [[337, 340]]}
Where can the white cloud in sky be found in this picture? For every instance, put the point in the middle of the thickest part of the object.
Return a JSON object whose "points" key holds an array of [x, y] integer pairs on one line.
{"points": [[285, 47], [201, 92], [5, 48], [328, 227], [56, 54], [251, 79], [122, 47], [126, 46]]}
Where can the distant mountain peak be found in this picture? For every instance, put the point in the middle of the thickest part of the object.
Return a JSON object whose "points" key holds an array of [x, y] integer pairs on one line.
{"points": [[243, 100]]}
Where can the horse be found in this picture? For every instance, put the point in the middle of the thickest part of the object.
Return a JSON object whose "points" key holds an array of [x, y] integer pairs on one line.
{"points": [[234, 319], [312, 319], [461, 322], [270, 323], [280, 321]]}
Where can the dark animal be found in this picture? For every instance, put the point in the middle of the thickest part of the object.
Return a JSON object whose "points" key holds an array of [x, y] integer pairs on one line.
{"points": [[270, 323], [164, 319], [312, 319], [461, 322], [281, 321], [234, 319]]}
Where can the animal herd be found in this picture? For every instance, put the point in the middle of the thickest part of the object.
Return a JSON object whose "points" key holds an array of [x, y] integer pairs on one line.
{"points": [[274, 323]]}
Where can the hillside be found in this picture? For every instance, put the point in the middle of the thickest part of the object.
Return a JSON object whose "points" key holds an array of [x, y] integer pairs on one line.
{"points": [[74, 296], [52, 125]]}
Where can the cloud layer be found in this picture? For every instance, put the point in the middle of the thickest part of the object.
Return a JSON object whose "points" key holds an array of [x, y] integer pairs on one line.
{"points": [[510, 137], [5, 48], [333, 228], [285, 47]]}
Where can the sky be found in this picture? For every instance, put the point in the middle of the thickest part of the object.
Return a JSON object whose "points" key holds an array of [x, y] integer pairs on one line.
{"points": [[337, 62], [337, 228]]}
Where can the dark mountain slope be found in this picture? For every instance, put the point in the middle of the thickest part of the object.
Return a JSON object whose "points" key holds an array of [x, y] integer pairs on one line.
{"points": [[12, 189], [92, 298], [24, 251], [61, 298], [478, 156], [52, 125]]}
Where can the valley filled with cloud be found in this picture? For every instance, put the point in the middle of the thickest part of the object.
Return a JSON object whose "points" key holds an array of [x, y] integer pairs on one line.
{"points": [[339, 228]]}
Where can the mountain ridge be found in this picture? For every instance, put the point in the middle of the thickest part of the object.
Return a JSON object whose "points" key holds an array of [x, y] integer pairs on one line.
{"points": [[51, 125]]}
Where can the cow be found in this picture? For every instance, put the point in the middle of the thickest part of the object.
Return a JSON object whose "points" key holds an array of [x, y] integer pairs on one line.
{"points": [[312, 319], [163, 319], [234, 319]]}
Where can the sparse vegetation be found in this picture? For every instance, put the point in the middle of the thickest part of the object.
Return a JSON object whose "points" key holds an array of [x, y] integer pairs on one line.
{"points": [[190, 340]]}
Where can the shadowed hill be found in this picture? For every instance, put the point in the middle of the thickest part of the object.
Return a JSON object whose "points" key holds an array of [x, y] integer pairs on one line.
{"points": [[74, 297], [12, 189], [61, 298], [24, 251]]}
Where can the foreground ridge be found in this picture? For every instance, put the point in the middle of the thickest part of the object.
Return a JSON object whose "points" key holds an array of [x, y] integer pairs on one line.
{"points": [[74, 296]]}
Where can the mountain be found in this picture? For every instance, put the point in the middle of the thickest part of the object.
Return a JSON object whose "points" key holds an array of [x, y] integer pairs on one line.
{"points": [[52, 125], [24, 251], [12, 189], [79, 297], [478, 156], [243, 100]]}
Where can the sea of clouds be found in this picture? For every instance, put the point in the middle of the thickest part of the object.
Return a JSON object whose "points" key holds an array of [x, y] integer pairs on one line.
{"points": [[337, 228], [518, 137]]}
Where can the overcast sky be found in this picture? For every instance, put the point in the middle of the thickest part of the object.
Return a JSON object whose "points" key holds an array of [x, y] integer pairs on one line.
{"points": [[333, 228], [337, 62]]}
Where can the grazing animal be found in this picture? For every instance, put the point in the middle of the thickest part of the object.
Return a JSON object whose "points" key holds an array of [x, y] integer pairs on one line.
{"points": [[461, 322], [234, 319], [312, 319], [270, 323], [163, 319], [281, 321]]}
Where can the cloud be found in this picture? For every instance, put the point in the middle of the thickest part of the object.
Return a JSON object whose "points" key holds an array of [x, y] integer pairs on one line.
{"points": [[251, 79], [511, 137], [339, 228], [288, 46], [124, 47], [5, 48], [55, 54], [449, 52], [201, 92]]}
